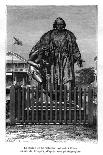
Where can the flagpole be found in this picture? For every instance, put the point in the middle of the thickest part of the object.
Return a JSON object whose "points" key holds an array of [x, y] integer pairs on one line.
{"points": [[12, 69], [12, 65], [18, 42]]}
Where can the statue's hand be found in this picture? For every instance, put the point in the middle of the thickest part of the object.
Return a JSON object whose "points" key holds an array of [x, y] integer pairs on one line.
{"points": [[80, 63]]}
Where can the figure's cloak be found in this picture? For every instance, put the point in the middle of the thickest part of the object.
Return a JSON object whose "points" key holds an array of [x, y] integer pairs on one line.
{"points": [[56, 52]]}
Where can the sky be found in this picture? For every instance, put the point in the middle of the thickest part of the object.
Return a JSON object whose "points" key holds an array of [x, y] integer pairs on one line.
{"points": [[29, 23]]}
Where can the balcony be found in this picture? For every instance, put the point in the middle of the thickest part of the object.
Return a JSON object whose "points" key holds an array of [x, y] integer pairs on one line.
{"points": [[17, 70]]}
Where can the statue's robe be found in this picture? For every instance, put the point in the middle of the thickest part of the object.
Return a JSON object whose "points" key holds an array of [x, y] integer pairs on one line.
{"points": [[56, 52]]}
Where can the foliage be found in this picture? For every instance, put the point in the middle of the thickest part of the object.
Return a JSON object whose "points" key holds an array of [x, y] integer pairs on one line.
{"points": [[85, 76]]}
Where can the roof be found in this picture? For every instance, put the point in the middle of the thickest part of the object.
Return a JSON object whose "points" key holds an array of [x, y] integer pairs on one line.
{"points": [[14, 59]]}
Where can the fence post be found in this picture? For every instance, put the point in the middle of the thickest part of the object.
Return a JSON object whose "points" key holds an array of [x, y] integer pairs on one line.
{"points": [[84, 105], [41, 103], [46, 102], [37, 102], [65, 104], [60, 104], [19, 104], [51, 103], [70, 103], [32, 104], [80, 104], [90, 106], [28, 103], [23, 103], [75, 104], [56, 103], [12, 105]]}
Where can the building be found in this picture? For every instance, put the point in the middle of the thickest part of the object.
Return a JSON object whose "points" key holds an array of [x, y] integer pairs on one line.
{"points": [[16, 71]]}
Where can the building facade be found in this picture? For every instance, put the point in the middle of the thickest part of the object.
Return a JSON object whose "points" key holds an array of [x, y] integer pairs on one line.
{"points": [[16, 71]]}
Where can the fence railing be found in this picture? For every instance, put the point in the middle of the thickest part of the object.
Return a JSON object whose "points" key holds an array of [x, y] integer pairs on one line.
{"points": [[53, 106]]}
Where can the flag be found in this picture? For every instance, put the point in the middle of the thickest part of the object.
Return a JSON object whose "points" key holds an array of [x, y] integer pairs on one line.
{"points": [[17, 41]]}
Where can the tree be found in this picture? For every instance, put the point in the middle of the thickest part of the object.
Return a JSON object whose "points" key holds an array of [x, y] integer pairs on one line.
{"points": [[85, 76]]}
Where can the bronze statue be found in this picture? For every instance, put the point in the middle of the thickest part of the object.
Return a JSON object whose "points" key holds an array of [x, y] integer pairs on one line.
{"points": [[56, 52]]}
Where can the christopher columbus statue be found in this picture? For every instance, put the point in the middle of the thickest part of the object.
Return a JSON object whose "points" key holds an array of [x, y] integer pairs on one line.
{"points": [[56, 52]]}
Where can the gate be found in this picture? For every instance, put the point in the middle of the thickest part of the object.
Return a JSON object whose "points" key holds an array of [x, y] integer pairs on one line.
{"points": [[29, 105]]}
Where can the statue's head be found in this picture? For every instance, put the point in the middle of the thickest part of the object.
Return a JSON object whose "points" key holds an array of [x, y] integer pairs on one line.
{"points": [[59, 24]]}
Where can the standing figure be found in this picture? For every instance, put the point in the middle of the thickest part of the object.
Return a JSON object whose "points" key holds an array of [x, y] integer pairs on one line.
{"points": [[57, 52]]}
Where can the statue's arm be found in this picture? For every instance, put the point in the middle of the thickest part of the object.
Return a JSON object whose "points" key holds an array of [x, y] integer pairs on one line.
{"points": [[76, 52], [42, 46]]}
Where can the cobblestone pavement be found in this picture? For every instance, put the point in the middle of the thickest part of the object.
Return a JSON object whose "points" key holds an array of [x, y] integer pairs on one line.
{"points": [[29, 133]]}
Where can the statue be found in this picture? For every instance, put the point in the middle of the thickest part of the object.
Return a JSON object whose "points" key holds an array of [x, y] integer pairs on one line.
{"points": [[56, 52]]}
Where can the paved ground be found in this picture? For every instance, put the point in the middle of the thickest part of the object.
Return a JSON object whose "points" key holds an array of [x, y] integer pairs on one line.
{"points": [[29, 133]]}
